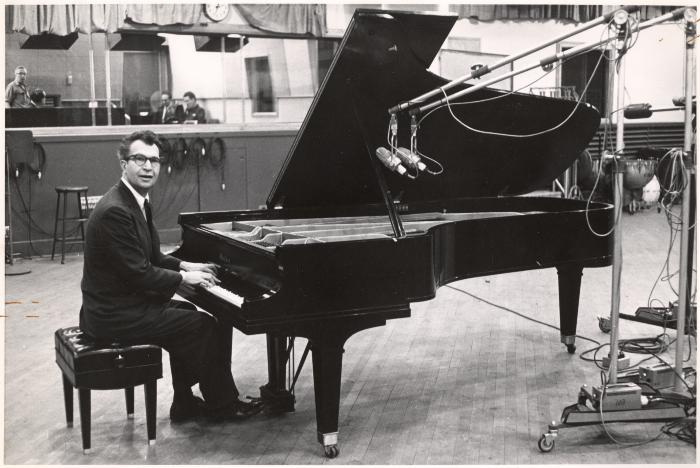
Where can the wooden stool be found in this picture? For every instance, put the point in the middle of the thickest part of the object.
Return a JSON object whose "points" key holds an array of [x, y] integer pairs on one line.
{"points": [[62, 216], [88, 365]]}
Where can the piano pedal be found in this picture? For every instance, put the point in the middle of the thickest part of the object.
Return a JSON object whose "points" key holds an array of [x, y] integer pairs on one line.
{"points": [[275, 401], [255, 401]]}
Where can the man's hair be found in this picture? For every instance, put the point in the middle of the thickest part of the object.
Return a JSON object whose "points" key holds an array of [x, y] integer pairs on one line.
{"points": [[165, 91], [190, 95], [21, 67], [146, 136]]}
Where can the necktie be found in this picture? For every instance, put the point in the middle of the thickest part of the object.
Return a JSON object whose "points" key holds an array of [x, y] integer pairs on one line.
{"points": [[149, 214]]}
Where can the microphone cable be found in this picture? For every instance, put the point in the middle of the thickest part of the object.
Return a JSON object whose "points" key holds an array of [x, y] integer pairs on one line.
{"points": [[394, 149], [217, 158], [36, 166], [519, 314], [166, 154], [198, 152], [179, 154]]}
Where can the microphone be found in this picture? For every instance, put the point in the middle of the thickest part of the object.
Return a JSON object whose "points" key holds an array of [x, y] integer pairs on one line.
{"points": [[389, 160], [638, 111], [410, 159], [680, 101]]}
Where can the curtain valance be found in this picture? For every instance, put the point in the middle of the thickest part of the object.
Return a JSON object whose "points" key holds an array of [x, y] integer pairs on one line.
{"points": [[297, 19], [575, 13], [66, 19]]}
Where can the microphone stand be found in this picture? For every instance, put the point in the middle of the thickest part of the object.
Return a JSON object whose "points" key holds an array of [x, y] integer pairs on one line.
{"points": [[618, 182], [613, 402], [683, 286]]}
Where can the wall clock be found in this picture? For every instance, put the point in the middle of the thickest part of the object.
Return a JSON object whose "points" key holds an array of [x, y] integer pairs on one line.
{"points": [[216, 11]]}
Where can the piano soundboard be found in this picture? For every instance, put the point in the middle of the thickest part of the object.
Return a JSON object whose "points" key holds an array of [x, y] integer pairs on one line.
{"points": [[269, 234]]}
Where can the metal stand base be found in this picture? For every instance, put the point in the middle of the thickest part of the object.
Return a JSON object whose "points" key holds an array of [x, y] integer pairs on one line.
{"points": [[16, 269], [587, 412]]}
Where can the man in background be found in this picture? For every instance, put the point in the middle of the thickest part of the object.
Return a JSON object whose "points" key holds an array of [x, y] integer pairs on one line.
{"points": [[16, 92], [169, 112], [128, 286], [193, 112]]}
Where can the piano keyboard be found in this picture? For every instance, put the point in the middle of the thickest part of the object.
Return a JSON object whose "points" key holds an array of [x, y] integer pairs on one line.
{"points": [[226, 295]]}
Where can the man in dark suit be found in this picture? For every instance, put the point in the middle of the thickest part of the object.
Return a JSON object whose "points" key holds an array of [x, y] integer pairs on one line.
{"points": [[128, 283], [194, 113], [169, 112]]}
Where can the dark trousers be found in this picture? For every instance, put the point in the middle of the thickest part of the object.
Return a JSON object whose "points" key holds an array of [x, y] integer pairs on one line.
{"points": [[194, 341]]}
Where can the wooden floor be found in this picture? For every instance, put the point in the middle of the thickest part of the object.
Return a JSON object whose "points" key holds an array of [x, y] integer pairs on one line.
{"points": [[460, 382]]}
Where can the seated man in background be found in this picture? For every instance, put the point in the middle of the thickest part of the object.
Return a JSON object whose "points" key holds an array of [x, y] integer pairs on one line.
{"points": [[128, 283], [16, 92], [169, 112], [193, 112]]}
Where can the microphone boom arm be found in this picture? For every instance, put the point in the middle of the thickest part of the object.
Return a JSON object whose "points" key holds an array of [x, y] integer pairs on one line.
{"points": [[510, 59], [544, 62]]}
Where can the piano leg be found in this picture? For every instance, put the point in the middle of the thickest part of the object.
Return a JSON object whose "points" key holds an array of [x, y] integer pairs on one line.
{"points": [[328, 364], [327, 342], [274, 394], [569, 291]]}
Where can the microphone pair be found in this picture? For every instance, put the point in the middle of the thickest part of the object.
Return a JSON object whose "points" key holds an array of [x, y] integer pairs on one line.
{"points": [[399, 161]]}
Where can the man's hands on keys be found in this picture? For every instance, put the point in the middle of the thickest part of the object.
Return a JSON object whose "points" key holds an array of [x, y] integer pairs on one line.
{"points": [[196, 274], [206, 267]]}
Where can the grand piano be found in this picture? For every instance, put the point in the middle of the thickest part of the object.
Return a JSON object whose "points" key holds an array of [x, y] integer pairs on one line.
{"points": [[345, 244]]}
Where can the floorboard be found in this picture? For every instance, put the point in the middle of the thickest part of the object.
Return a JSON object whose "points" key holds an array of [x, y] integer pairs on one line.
{"points": [[459, 382]]}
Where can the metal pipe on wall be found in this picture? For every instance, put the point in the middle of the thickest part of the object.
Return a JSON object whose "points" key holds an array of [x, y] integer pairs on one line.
{"points": [[240, 51], [223, 77], [108, 81], [91, 57]]}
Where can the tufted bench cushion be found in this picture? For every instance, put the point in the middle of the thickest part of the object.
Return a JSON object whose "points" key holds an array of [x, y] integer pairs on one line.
{"points": [[105, 366], [90, 365]]}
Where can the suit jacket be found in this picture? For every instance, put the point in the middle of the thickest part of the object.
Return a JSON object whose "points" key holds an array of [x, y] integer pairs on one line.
{"points": [[196, 113], [127, 281], [173, 114]]}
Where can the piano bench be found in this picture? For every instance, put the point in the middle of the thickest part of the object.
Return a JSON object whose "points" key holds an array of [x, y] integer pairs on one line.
{"points": [[89, 365]]}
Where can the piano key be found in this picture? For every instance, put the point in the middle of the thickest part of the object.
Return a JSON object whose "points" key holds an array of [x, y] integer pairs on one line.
{"points": [[226, 295]]}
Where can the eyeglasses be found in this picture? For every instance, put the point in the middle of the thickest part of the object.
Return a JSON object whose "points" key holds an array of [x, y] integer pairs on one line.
{"points": [[140, 159]]}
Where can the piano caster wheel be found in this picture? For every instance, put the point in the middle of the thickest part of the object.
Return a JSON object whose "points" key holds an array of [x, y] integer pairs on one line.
{"points": [[570, 348], [545, 444], [331, 451]]}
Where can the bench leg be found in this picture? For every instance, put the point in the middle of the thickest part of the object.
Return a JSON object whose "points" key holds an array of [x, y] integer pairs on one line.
{"points": [[150, 390], [68, 400], [84, 399], [129, 393]]}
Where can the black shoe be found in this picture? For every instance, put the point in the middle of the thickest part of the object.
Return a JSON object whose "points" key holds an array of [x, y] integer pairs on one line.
{"points": [[187, 411], [236, 411]]}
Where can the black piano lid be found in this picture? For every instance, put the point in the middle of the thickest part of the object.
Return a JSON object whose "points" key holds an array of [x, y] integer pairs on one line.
{"points": [[382, 61]]}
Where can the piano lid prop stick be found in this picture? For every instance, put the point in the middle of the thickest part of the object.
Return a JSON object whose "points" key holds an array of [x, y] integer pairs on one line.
{"points": [[510, 59], [565, 55]]}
